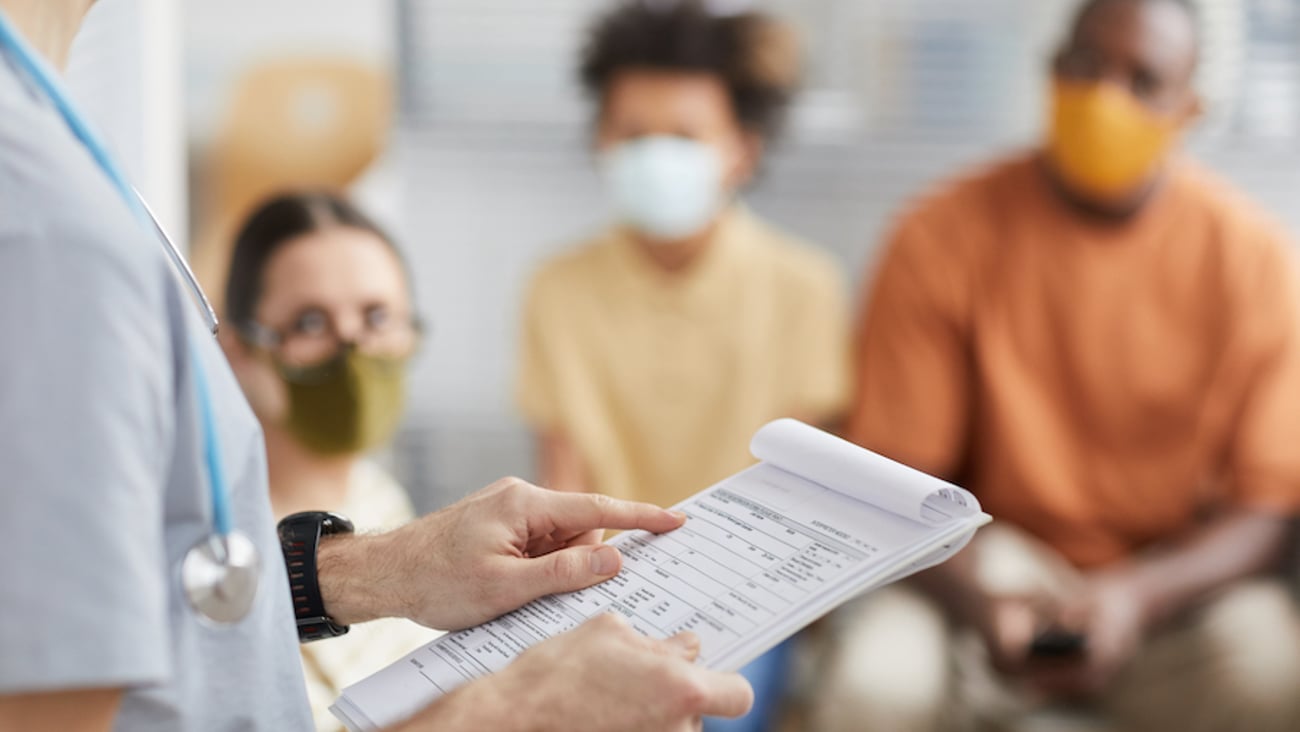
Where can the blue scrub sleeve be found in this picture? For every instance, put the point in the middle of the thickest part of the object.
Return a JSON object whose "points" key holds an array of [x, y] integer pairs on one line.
{"points": [[86, 410]]}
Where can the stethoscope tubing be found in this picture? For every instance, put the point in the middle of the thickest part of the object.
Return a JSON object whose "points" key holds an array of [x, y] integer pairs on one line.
{"points": [[44, 79]]}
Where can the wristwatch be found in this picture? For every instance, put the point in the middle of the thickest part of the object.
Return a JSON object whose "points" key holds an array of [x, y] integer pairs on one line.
{"points": [[300, 536]]}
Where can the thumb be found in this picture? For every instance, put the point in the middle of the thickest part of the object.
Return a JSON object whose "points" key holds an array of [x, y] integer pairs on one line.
{"points": [[686, 645], [570, 569]]}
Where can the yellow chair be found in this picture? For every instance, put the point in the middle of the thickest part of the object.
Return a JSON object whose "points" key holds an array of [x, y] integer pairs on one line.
{"points": [[301, 123]]}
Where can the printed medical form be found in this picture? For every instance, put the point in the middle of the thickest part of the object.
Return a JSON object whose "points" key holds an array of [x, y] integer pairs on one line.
{"points": [[763, 554]]}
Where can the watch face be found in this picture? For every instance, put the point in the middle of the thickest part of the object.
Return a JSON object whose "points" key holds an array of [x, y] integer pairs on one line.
{"points": [[336, 524], [329, 523]]}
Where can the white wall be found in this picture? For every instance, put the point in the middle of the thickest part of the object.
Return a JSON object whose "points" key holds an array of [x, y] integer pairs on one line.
{"points": [[225, 37], [125, 73]]}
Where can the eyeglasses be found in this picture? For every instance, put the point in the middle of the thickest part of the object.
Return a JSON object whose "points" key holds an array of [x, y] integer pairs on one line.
{"points": [[313, 337]]}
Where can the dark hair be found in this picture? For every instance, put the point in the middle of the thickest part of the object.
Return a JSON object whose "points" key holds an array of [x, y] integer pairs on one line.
{"points": [[756, 56], [1189, 7], [1087, 6], [275, 223]]}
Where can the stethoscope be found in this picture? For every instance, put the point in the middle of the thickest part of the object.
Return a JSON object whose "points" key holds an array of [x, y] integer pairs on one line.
{"points": [[220, 573]]}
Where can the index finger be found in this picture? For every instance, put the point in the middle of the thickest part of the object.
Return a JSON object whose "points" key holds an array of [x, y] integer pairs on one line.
{"points": [[725, 694], [582, 512]]}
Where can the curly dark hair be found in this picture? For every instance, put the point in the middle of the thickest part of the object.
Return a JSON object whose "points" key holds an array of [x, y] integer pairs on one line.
{"points": [[756, 56]]}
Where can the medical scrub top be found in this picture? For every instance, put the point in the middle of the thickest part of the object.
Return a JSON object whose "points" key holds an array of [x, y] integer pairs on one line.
{"points": [[103, 487]]}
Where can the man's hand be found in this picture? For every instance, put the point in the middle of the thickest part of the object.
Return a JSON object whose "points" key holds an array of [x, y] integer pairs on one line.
{"points": [[1119, 605], [1107, 610], [603, 677], [1008, 625], [499, 549], [1111, 614]]}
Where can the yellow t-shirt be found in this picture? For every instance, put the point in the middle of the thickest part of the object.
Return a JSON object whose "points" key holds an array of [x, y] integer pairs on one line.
{"points": [[660, 379]]}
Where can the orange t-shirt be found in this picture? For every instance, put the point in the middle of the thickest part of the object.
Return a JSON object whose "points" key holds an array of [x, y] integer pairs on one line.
{"points": [[1099, 385]]}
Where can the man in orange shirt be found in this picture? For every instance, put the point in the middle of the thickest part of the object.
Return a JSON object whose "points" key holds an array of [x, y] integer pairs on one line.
{"points": [[1102, 341]]}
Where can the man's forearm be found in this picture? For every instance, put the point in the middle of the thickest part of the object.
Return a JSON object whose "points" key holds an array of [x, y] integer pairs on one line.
{"points": [[359, 577], [1234, 546], [75, 710]]}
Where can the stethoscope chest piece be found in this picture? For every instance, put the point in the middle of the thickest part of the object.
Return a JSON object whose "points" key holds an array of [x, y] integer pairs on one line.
{"points": [[219, 575]]}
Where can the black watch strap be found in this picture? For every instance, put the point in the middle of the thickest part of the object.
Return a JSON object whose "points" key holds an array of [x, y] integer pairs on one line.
{"points": [[300, 536]]}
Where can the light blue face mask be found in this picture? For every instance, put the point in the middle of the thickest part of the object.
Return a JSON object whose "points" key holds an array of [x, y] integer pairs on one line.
{"points": [[668, 188]]}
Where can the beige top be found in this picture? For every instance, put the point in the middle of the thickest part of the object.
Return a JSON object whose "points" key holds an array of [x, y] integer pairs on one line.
{"points": [[375, 502], [660, 379]]}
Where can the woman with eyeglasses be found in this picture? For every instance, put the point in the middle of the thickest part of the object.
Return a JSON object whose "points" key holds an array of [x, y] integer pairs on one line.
{"points": [[321, 325]]}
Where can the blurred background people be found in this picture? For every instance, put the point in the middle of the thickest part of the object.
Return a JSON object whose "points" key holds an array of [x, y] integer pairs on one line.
{"points": [[489, 150], [320, 325], [654, 350], [1100, 339]]}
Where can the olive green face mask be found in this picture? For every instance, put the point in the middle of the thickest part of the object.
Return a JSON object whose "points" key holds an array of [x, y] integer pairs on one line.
{"points": [[346, 405]]}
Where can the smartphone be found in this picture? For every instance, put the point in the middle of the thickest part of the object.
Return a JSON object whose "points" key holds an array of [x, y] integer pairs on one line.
{"points": [[1057, 643]]}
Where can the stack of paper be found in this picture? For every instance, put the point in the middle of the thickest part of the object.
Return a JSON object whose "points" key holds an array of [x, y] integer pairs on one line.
{"points": [[765, 553]]}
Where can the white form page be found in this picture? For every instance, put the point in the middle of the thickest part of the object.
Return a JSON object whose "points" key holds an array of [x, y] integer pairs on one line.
{"points": [[762, 554]]}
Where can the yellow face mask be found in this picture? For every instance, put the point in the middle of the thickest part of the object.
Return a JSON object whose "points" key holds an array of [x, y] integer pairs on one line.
{"points": [[1104, 143]]}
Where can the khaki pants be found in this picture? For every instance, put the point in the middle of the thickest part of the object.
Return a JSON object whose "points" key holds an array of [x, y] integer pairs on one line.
{"points": [[895, 664]]}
